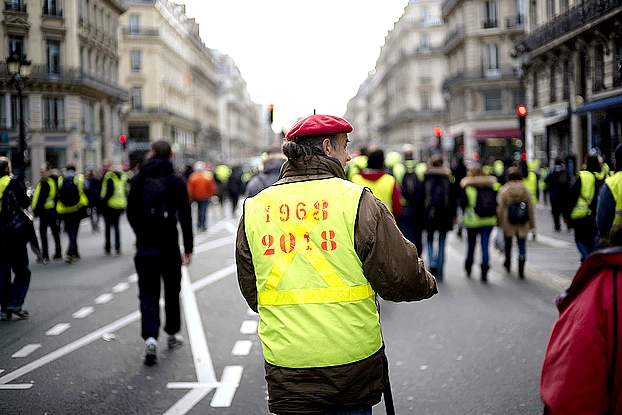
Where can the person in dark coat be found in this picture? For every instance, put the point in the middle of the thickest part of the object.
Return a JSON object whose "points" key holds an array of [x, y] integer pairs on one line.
{"points": [[157, 201], [459, 172], [269, 175], [439, 211], [558, 185], [13, 251], [44, 207], [235, 187]]}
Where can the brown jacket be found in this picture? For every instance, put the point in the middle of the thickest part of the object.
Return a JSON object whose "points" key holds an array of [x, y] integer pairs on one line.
{"points": [[514, 191], [395, 272]]}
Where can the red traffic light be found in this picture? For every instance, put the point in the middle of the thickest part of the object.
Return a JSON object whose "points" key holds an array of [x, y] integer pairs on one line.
{"points": [[438, 131], [122, 139], [521, 110], [271, 107]]}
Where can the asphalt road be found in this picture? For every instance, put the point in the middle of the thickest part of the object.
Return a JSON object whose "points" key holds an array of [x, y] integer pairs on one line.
{"points": [[472, 349]]}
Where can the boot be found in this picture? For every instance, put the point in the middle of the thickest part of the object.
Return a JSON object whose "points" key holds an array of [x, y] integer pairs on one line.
{"points": [[467, 267], [485, 269], [521, 267], [508, 256]]}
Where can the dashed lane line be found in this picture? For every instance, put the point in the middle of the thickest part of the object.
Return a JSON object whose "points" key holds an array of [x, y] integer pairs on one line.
{"points": [[104, 298], [120, 287], [83, 312], [58, 329], [249, 327], [242, 348], [26, 350]]}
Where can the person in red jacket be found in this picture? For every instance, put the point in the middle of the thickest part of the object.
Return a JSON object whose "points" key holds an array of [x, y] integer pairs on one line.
{"points": [[582, 370]]}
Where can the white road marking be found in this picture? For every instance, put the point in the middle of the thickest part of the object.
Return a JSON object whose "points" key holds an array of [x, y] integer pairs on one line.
{"points": [[103, 299], [242, 348], [212, 278], [132, 278], [249, 327], [223, 396], [553, 242], [83, 312], [228, 240], [57, 329], [26, 350], [15, 386], [233, 229], [120, 287], [1, 370]]}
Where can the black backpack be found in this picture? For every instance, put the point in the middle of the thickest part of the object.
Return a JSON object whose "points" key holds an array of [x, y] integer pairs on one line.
{"points": [[410, 185], [436, 200], [486, 203], [69, 194], [518, 213], [154, 200]]}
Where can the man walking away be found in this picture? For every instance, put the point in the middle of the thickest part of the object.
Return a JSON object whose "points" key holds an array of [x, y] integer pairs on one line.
{"points": [[113, 202], [313, 275], [201, 187], [158, 199], [13, 252], [71, 207], [44, 206], [558, 185]]}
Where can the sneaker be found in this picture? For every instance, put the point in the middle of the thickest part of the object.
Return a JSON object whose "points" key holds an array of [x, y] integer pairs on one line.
{"points": [[175, 341], [5, 316], [151, 345], [70, 259], [107, 252], [118, 252], [18, 312]]}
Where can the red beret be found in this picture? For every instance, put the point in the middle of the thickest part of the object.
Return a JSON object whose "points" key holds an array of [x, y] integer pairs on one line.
{"points": [[318, 125]]}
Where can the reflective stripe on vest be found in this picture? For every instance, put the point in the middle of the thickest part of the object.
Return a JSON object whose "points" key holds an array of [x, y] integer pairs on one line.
{"points": [[381, 188], [4, 182], [118, 200], [615, 185], [301, 237], [472, 219], [84, 201], [49, 201], [588, 187]]}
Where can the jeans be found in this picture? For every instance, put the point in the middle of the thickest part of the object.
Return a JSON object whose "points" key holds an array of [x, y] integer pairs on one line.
{"points": [[522, 247], [72, 225], [48, 220], [484, 233], [437, 261], [12, 293], [111, 219], [152, 270], [364, 411], [584, 236], [202, 206], [411, 230]]}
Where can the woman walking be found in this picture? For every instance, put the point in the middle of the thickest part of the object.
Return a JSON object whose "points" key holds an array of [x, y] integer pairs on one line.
{"points": [[516, 216]]}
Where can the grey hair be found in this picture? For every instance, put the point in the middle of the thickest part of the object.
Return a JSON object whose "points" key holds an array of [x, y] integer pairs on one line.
{"points": [[307, 146]]}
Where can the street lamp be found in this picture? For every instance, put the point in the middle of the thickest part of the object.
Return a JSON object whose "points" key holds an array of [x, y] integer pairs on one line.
{"points": [[19, 69]]}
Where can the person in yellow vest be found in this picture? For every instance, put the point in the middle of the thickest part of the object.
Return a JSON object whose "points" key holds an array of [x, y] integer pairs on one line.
{"points": [[609, 208], [13, 251], [44, 207], [357, 163], [381, 184], [581, 207], [531, 179], [313, 250], [71, 204], [479, 203], [113, 197]]}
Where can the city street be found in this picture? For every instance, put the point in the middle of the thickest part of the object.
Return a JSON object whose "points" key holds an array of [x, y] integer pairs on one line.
{"points": [[472, 349]]}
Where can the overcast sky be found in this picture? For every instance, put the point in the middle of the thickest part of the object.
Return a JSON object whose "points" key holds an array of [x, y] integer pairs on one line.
{"points": [[298, 55]]}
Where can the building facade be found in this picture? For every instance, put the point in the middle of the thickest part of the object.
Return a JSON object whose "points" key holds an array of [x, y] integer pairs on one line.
{"points": [[72, 98], [572, 61], [401, 101], [482, 89], [171, 77]]}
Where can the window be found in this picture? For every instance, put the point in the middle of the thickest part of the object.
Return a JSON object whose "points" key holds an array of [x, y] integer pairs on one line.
{"points": [[3, 123], [425, 72], [137, 101], [425, 41], [552, 85], [617, 62], [425, 101], [563, 6], [491, 65], [53, 114], [599, 68], [492, 101], [16, 44], [566, 80], [425, 14], [89, 117], [15, 5], [15, 110], [134, 24], [550, 9], [490, 14], [53, 57], [135, 60], [50, 7], [517, 99]]}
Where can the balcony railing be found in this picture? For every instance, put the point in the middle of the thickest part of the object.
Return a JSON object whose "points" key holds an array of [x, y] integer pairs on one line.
{"points": [[53, 11], [453, 38], [54, 125], [15, 6], [503, 72], [139, 31], [490, 23], [576, 17], [515, 22]]}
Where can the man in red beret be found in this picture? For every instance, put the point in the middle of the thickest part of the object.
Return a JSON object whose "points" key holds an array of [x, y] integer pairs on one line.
{"points": [[311, 255]]}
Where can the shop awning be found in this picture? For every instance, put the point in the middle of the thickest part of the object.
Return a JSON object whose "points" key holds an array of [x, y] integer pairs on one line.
{"points": [[500, 133], [601, 104]]}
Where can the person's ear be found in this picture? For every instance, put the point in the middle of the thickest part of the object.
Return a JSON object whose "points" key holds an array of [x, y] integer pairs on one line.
{"points": [[327, 147]]}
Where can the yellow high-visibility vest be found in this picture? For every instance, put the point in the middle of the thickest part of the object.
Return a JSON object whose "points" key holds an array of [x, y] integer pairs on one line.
{"points": [[50, 200], [381, 188], [588, 187], [311, 289], [118, 200], [615, 185]]}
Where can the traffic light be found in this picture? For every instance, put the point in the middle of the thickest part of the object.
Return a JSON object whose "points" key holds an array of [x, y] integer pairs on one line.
{"points": [[438, 131], [271, 113], [123, 141], [522, 114]]}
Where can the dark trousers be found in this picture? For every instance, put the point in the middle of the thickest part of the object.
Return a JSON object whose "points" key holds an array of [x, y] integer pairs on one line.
{"points": [[49, 219], [584, 235], [411, 231], [13, 290], [72, 225], [152, 270], [556, 211], [484, 236], [111, 219]]}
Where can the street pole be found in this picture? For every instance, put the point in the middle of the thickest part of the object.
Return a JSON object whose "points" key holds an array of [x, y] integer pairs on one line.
{"points": [[19, 69]]}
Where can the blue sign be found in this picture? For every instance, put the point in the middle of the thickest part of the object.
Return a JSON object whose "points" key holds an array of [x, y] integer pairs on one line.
{"points": [[4, 137]]}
